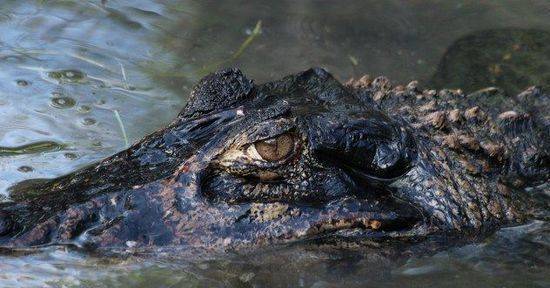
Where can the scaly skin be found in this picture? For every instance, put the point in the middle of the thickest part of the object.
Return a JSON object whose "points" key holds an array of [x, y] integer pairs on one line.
{"points": [[358, 162]]}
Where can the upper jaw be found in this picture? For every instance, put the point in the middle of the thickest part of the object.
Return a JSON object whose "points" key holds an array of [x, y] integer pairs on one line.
{"points": [[348, 219], [365, 218]]}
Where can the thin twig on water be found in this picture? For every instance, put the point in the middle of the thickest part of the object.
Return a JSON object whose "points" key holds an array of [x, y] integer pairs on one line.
{"points": [[121, 125], [124, 78], [213, 66], [255, 32]]}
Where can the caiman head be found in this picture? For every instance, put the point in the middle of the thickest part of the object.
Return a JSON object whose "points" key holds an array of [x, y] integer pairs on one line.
{"points": [[245, 165]]}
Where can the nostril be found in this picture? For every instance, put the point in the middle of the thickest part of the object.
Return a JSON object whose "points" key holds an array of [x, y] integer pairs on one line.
{"points": [[370, 156], [390, 160], [6, 223], [386, 157], [370, 145]]}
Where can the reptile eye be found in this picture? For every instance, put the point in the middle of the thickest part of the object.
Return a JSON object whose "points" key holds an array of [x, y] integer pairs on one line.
{"points": [[275, 149]]}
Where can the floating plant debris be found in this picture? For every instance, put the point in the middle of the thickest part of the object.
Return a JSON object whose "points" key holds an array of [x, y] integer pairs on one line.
{"points": [[62, 102], [32, 148], [71, 76]]}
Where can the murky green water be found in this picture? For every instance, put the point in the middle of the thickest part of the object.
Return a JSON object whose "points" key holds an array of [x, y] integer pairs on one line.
{"points": [[80, 79]]}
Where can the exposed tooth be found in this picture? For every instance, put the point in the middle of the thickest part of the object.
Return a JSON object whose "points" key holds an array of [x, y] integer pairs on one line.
{"points": [[374, 224]]}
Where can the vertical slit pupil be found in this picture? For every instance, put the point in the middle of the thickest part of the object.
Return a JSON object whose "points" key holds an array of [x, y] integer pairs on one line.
{"points": [[275, 149]]}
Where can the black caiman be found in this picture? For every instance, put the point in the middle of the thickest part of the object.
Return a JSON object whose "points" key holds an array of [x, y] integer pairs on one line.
{"points": [[304, 158]]}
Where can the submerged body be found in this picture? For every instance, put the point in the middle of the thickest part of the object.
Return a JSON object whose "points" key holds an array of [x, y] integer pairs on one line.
{"points": [[302, 158]]}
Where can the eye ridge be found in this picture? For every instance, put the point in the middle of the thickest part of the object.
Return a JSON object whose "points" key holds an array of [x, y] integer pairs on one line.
{"points": [[275, 149]]}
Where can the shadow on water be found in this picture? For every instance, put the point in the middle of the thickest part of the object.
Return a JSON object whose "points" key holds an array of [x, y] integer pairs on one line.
{"points": [[510, 59], [78, 79]]}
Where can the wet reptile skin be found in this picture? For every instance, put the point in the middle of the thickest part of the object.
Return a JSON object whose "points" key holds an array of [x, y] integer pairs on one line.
{"points": [[365, 162]]}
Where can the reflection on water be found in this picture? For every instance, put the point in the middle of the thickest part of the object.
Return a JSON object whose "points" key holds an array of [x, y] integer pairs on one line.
{"points": [[79, 77], [513, 257]]}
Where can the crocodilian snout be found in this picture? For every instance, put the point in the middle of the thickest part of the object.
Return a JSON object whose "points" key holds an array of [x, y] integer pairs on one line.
{"points": [[371, 146]]}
